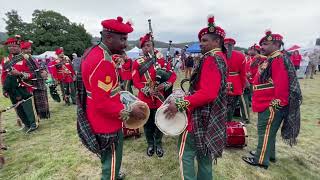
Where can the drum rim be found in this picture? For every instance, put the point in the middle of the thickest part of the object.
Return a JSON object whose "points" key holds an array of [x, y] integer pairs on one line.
{"points": [[145, 120], [162, 130]]}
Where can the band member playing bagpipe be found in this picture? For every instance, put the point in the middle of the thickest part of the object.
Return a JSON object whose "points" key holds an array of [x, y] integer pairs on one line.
{"points": [[236, 81], [99, 100], [39, 92], [15, 77], [276, 98], [206, 107], [152, 76], [63, 73]]}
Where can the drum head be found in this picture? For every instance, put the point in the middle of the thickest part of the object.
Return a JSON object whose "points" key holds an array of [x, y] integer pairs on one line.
{"points": [[135, 123], [171, 127]]}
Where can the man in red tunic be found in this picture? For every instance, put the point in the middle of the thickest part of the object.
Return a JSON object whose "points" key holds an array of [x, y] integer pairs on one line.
{"points": [[62, 71], [296, 59], [205, 136], [236, 81], [103, 108], [156, 78], [14, 78], [276, 98]]}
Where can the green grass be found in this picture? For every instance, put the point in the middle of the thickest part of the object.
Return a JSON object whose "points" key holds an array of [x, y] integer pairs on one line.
{"points": [[55, 152]]}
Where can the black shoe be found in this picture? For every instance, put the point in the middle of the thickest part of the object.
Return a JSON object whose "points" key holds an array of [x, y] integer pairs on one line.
{"points": [[3, 131], [150, 150], [250, 161], [253, 153], [121, 175], [4, 147], [32, 128], [159, 151]]}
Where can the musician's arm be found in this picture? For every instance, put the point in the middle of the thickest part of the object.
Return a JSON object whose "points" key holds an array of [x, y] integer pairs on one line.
{"points": [[136, 78], [209, 85], [173, 76], [101, 91]]}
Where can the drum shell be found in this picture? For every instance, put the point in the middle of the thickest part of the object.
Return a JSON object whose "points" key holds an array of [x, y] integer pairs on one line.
{"points": [[236, 134]]}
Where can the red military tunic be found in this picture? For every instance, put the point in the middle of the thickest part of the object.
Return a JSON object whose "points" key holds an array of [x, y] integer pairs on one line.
{"points": [[237, 73], [64, 73], [125, 71], [101, 81], [20, 66], [206, 89], [256, 61], [247, 67], [296, 59], [141, 81], [277, 88]]}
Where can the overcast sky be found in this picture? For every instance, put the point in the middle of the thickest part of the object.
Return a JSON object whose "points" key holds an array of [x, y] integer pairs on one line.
{"points": [[180, 20]]}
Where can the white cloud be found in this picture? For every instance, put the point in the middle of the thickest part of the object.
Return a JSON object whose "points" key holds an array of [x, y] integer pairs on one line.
{"points": [[180, 20]]}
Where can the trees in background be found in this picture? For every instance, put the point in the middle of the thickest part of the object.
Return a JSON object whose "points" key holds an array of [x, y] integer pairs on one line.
{"points": [[49, 30]]}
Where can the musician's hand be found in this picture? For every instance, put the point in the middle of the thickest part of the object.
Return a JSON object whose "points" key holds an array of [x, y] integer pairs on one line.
{"points": [[138, 111], [171, 110], [14, 72], [18, 98], [161, 87], [153, 92]]}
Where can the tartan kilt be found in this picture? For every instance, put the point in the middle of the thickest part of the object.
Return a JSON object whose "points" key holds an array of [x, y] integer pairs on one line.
{"points": [[41, 103]]}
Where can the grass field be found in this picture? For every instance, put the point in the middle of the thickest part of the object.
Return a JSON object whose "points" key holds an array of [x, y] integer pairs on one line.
{"points": [[55, 152]]}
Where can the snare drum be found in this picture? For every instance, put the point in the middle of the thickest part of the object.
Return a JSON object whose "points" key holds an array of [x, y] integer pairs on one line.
{"points": [[236, 134]]}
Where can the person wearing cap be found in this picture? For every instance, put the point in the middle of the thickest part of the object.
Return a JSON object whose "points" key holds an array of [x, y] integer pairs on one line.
{"points": [[253, 60], [39, 91], [102, 105], [150, 90], [206, 106], [63, 72], [14, 77], [236, 81], [276, 98]]}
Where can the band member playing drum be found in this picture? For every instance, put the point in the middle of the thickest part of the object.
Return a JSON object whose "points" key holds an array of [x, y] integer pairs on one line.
{"points": [[102, 106], [150, 90], [206, 106]]}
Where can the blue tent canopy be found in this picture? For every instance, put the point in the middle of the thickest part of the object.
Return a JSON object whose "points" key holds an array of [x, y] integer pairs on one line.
{"points": [[194, 48]]}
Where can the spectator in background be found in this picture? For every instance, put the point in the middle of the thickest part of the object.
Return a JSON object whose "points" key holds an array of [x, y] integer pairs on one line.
{"points": [[314, 60], [296, 59], [76, 62], [189, 65], [303, 65]]}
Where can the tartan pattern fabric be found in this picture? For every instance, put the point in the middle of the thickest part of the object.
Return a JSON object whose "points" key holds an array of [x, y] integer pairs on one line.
{"points": [[40, 93], [41, 103], [291, 125], [209, 120], [96, 143]]}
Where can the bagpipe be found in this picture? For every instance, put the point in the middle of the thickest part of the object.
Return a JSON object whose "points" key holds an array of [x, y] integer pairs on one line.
{"points": [[162, 74]]}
